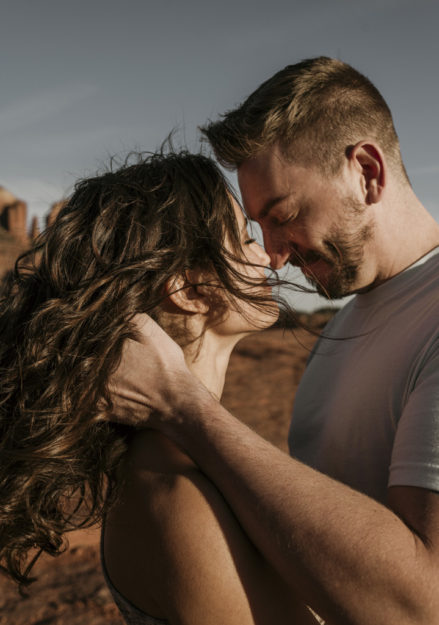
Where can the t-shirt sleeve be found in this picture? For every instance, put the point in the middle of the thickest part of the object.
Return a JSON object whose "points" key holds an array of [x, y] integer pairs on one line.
{"points": [[415, 456]]}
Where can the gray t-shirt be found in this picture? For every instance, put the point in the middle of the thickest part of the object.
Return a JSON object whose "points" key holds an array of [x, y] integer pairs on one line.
{"points": [[367, 409]]}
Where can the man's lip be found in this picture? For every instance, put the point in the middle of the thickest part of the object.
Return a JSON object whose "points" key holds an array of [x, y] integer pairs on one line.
{"points": [[295, 261], [310, 267], [307, 269], [304, 261]]}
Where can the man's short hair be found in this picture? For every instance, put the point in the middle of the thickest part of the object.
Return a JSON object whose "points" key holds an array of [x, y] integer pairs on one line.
{"points": [[315, 110]]}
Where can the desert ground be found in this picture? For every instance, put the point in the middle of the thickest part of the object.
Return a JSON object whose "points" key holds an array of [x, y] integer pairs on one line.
{"points": [[70, 590]]}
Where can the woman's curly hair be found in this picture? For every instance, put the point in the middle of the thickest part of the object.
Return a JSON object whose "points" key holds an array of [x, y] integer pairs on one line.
{"points": [[65, 312]]}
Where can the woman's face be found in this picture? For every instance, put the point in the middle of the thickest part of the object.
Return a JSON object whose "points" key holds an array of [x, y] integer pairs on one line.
{"points": [[241, 316]]}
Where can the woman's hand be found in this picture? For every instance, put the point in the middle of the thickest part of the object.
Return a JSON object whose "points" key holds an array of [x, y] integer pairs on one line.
{"points": [[150, 378]]}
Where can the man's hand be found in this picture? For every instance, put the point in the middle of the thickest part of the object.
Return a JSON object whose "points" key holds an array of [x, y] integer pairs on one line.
{"points": [[150, 377]]}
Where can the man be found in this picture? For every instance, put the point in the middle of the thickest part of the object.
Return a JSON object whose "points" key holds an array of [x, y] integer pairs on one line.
{"points": [[351, 520]]}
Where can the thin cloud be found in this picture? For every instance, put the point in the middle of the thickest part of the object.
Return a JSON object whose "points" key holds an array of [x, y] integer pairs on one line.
{"points": [[39, 195], [36, 107], [79, 142]]}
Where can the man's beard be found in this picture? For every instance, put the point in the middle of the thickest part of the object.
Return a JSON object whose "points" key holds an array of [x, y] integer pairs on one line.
{"points": [[344, 256]]}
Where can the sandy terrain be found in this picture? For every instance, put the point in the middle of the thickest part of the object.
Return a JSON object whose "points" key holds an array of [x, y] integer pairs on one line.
{"points": [[262, 379]]}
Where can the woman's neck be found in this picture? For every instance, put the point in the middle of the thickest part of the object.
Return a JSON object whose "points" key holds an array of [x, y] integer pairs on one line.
{"points": [[208, 359]]}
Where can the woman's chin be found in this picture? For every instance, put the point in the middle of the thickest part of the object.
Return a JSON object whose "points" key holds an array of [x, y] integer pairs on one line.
{"points": [[265, 318]]}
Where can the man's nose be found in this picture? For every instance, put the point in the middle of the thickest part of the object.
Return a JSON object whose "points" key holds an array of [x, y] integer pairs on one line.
{"points": [[278, 252]]}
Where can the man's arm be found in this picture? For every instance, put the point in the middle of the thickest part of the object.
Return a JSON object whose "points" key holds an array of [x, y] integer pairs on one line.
{"points": [[352, 559], [349, 557]]}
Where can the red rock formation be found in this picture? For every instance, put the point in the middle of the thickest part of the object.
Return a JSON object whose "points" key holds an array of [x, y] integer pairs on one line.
{"points": [[13, 215], [14, 237], [53, 213], [34, 229], [10, 248]]}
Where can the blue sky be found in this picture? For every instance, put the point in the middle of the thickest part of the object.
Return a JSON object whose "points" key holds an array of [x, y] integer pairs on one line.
{"points": [[85, 80]]}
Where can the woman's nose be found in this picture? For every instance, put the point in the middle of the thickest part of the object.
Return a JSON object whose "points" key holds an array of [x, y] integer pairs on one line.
{"points": [[263, 257], [278, 260]]}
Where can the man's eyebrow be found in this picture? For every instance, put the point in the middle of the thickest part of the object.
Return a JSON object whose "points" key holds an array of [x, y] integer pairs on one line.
{"points": [[271, 203]]}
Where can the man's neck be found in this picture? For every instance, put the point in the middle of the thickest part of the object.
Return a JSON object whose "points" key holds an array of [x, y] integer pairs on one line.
{"points": [[406, 233]]}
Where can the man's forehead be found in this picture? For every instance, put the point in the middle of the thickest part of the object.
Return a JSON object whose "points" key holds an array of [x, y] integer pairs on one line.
{"points": [[264, 184], [269, 160]]}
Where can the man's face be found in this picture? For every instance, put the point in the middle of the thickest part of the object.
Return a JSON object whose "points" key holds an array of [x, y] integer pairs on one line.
{"points": [[312, 221]]}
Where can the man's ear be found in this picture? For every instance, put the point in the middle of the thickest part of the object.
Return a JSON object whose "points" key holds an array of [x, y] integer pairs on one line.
{"points": [[184, 295], [368, 160]]}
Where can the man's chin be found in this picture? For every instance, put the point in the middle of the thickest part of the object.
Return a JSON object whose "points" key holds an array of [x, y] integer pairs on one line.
{"points": [[330, 291]]}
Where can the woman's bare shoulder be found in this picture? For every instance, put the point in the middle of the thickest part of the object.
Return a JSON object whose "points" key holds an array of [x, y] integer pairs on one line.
{"points": [[160, 478], [167, 489], [173, 535], [151, 452], [175, 548], [149, 518]]}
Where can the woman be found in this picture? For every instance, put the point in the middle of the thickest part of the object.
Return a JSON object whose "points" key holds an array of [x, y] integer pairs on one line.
{"points": [[162, 236]]}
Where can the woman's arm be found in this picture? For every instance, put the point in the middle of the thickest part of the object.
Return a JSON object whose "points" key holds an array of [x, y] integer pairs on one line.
{"points": [[175, 549]]}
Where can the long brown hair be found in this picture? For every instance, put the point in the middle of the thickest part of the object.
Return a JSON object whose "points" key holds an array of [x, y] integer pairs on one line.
{"points": [[64, 314]]}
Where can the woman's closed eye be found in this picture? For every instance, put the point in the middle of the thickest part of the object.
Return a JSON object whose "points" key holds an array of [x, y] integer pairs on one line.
{"points": [[249, 241]]}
